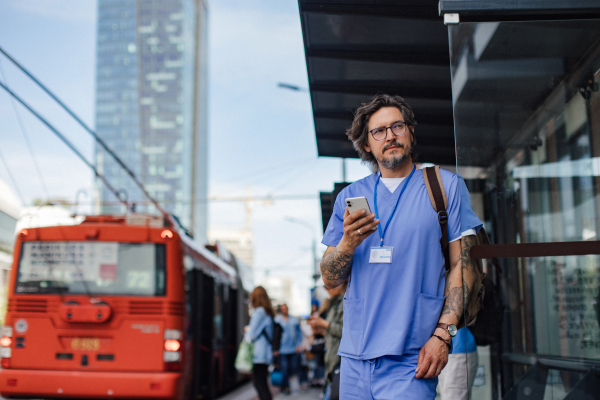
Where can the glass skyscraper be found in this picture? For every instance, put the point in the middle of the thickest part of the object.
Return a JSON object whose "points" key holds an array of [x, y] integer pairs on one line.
{"points": [[151, 105]]}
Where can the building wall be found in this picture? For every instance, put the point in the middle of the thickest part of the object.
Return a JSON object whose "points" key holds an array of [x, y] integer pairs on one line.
{"points": [[148, 110], [238, 242]]}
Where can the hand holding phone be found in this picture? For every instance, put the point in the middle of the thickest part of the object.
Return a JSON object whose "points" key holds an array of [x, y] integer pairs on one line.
{"points": [[359, 203]]}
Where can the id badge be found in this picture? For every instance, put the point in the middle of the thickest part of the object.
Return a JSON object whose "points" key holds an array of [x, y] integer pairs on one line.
{"points": [[381, 255]]}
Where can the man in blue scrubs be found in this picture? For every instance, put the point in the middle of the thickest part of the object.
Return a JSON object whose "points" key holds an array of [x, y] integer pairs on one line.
{"points": [[399, 309]]}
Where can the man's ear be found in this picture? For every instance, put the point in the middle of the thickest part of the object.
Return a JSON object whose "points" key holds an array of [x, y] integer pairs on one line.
{"points": [[367, 148]]}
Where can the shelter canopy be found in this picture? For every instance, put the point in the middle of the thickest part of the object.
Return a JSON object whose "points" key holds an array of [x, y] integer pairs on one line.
{"points": [[357, 48]]}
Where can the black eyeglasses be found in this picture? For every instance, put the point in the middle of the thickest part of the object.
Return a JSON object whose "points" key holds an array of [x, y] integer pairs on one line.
{"points": [[398, 129]]}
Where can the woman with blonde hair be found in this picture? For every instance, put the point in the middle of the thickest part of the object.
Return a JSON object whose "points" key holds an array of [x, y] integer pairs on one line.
{"points": [[260, 332]]}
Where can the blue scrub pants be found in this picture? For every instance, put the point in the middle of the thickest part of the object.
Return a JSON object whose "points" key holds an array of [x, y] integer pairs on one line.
{"points": [[384, 378]]}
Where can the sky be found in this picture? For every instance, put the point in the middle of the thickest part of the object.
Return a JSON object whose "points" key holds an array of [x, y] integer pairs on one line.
{"points": [[261, 137]]}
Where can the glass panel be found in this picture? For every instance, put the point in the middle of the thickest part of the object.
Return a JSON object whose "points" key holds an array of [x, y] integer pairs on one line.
{"points": [[91, 268], [527, 129], [559, 383]]}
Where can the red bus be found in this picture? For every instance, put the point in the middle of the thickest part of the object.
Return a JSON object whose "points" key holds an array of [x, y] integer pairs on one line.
{"points": [[120, 307]]}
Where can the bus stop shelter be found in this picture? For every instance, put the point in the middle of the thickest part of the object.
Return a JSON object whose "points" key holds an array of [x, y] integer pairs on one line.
{"points": [[506, 94]]}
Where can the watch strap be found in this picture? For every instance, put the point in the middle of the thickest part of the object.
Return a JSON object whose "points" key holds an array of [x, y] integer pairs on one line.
{"points": [[443, 325]]}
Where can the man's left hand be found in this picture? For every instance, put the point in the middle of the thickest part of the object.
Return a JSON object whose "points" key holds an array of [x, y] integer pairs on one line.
{"points": [[433, 357]]}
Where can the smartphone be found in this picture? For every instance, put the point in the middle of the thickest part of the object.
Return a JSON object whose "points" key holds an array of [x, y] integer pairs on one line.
{"points": [[359, 203]]}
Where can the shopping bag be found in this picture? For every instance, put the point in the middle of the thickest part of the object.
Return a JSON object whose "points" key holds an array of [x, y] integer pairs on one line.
{"points": [[243, 360]]}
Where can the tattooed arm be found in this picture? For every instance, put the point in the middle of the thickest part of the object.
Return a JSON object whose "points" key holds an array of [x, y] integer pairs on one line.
{"points": [[335, 267], [453, 292], [337, 261], [433, 357], [469, 265]]}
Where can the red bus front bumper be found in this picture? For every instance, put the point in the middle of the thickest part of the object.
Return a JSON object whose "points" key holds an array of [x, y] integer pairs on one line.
{"points": [[83, 384]]}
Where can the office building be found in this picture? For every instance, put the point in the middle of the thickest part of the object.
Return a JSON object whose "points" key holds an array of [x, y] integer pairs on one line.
{"points": [[151, 106]]}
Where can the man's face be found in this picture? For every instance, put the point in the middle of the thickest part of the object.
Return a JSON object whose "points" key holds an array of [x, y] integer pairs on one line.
{"points": [[392, 151], [284, 309]]}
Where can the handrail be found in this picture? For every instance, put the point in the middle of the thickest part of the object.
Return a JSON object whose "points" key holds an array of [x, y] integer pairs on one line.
{"points": [[550, 249]]}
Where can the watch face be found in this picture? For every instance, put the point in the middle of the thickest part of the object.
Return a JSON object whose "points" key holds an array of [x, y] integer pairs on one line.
{"points": [[452, 330]]}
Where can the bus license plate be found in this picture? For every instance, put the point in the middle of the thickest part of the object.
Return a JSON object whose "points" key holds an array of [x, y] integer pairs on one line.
{"points": [[85, 344]]}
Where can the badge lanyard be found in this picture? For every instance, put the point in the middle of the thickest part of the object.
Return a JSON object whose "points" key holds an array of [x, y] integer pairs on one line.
{"points": [[382, 232]]}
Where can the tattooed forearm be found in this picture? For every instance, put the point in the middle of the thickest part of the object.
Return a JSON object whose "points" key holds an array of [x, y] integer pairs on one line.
{"points": [[468, 263], [336, 267], [454, 303]]}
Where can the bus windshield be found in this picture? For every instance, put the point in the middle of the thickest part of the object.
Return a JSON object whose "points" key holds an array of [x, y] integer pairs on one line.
{"points": [[109, 268]]}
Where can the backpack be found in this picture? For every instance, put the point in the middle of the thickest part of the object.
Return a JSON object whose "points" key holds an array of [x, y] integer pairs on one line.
{"points": [[277, 333], [487, 330]]}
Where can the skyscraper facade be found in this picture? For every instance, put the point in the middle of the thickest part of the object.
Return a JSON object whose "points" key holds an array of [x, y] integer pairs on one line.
{"points": [[151, 105]]}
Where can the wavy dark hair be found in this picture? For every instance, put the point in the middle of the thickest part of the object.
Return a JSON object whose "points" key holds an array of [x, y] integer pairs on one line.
{"points": [[260, 298], [358, 133]]}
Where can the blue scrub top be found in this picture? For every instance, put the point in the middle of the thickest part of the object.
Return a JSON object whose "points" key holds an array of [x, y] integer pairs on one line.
{"points": [[392, 309]]}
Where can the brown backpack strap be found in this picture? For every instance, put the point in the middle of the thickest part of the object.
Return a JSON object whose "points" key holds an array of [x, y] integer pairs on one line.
{"points": [[437, 195]]}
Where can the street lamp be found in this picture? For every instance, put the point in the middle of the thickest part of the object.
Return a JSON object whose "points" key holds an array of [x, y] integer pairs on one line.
{"points": [[316, 274], [291, 87]]}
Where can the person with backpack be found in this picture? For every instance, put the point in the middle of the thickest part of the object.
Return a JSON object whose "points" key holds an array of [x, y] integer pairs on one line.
{"points": [[401, 308], [291, 346], [260, 332]]}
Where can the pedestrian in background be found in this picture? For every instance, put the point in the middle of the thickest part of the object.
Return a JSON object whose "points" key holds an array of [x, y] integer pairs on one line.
{"points": [[332, 327], [318, 346], [259, 332], [291, 346]]}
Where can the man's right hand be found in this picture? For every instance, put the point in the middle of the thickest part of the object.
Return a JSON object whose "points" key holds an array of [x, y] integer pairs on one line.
{"points": [[336, 264], [357, 227]]}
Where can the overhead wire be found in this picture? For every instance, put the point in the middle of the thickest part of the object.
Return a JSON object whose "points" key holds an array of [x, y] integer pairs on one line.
{"points": [[66, 141], [294, 178], [91, 132], [26, 137], [216, 199], [267, 170]]}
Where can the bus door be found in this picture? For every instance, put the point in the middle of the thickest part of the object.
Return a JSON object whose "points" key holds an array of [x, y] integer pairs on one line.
{"points": [[201, 299]]}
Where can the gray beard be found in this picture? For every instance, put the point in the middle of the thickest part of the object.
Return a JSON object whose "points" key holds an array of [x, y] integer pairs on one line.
{"points": [[394, 162]]}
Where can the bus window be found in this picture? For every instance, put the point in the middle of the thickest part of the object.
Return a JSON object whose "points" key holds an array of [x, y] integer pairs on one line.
{"points": [[110, 268]]}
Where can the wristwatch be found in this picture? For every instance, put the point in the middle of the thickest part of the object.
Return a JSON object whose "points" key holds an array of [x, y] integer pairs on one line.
{"points": [[451, 328]]}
